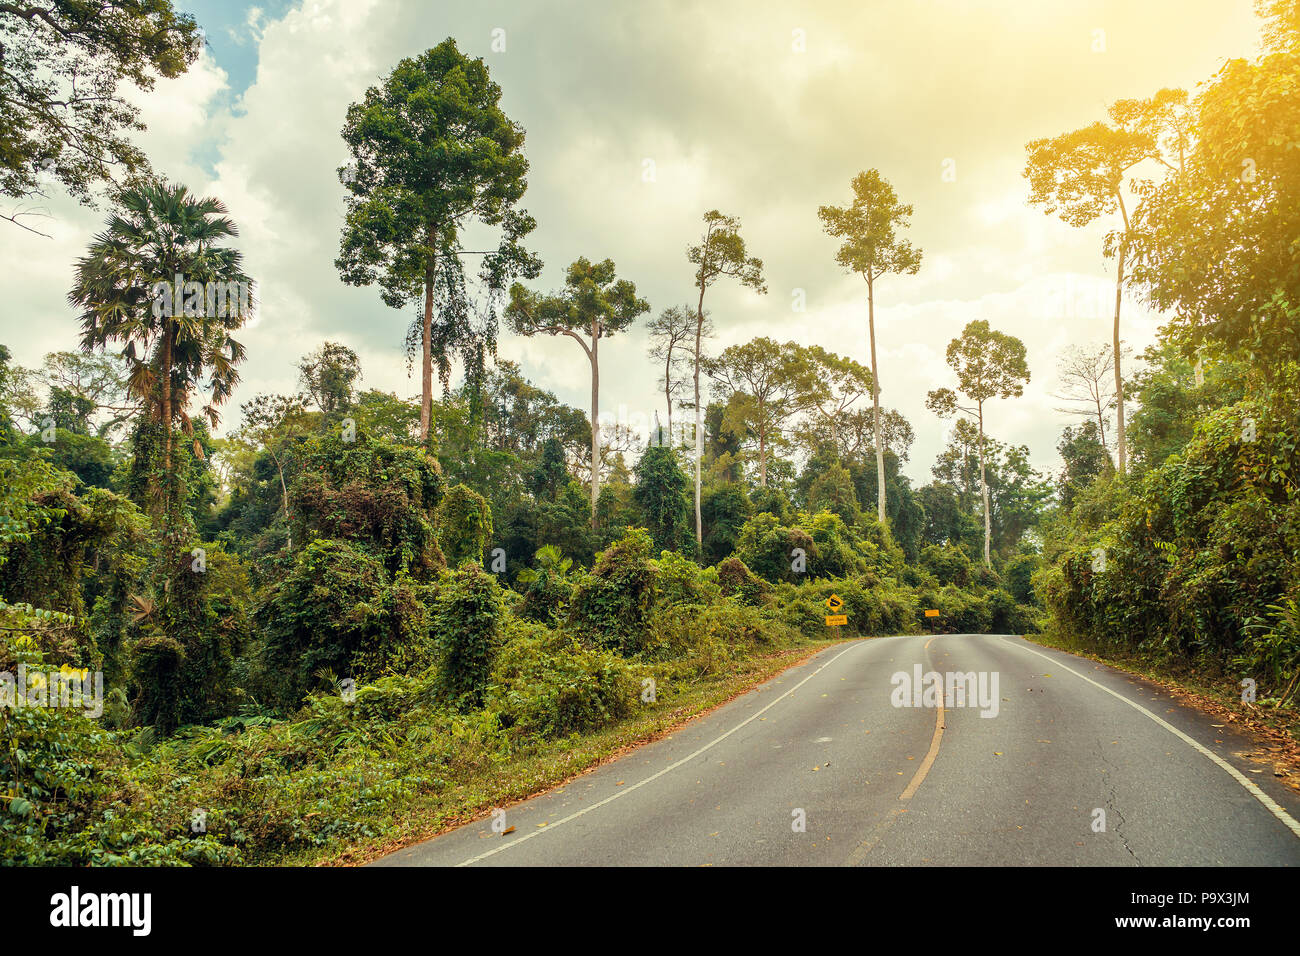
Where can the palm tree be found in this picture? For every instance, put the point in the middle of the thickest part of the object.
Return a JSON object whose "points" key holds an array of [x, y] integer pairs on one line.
{"points": [[156, 282]]}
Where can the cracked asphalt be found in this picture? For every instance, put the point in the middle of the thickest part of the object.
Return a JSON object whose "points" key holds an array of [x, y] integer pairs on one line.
{"points": [[820, 767]]}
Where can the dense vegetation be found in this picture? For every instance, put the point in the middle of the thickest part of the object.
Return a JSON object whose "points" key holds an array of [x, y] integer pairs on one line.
{"points": [[353, 599]]}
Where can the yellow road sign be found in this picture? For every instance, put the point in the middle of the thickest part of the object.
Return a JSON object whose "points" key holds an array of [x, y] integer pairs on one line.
{"points": [[837, 619], [834, 603], [931, 613]]}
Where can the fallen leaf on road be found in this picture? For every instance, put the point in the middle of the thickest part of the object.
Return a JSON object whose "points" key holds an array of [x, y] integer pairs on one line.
{"points": [[507, 830], [997, 753]]}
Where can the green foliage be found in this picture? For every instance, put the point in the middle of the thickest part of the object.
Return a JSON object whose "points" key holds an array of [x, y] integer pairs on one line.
{"points": [[833, 491], [67, 72], [769, 548], [466, 633], [1018, 573], [724, 509], [949, 564], [380, 496], [735, 579], [464, 525], [612, 603], [661, 495], [1192, 561], [544, 684], [320, 617]]}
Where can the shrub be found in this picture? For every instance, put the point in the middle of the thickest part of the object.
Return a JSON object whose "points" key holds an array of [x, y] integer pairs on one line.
{"points": [[466, 625], [464, 525], [682, 581], [736, 580], [546, 685], [375, 494], [1018, 575], [948, 563], [319, 617], [724, 510], [768, 548], [612, 603]]}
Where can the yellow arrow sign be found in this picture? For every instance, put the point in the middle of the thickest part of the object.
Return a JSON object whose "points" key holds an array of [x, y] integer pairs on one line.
{"points": [[834, 603]]}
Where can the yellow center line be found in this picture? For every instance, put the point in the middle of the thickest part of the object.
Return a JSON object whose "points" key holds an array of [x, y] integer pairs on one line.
{"points": [[928, 762], [864, 847]]}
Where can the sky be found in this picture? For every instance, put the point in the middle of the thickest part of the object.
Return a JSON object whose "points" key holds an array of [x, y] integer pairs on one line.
{"points": [[762, 110]]}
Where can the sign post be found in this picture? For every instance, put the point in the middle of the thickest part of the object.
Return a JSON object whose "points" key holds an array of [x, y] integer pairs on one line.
{"points": [[835, 619], [930, 615]]}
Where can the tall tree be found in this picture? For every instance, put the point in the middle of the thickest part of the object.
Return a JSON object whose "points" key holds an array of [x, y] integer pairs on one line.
{"points": [[1087, 384], [433, 155], [593, 304], [989, 364], [328, 376], [273, 422], [64, 68], [158, 282], [843, 381], [720, 253], [1218, 237], [765, 383], [670, 334], [1081, 176], [872, 248]]}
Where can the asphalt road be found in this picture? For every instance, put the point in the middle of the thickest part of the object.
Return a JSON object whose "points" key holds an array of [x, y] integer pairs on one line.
{"points": [[875, 784]]}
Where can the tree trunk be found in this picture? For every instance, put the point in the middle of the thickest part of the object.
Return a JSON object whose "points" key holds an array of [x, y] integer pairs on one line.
{"points": [[1120, 443], [984, 492], [699, 417], [595, 418], [426, 347], [875, 403], [169, 332], [668, 394], [284, 497], [762, 446]]}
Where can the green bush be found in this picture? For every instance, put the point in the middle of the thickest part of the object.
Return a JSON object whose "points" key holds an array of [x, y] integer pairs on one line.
{"points": [[736, 580], [319, 617], [948, 563], [612, 603], [681, 581], [464, 526], [768, 548], [466, 627], [546, 685]]}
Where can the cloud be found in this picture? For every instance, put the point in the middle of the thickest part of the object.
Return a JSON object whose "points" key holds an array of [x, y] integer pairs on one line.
{"points": [[734, 117]]}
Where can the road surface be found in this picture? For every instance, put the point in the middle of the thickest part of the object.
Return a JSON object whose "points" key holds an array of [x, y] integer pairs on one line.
{"points": [[1076, 764]]}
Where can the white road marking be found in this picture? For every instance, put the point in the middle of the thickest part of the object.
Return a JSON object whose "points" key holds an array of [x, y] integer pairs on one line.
{"points": [[673, 766], [1269, 803]]}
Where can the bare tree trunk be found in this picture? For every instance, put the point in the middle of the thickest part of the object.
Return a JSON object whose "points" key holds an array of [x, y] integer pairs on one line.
{"points": [[595, 418], [984, 491], [699, 417], [668, 393], [284, 497], [875, 402], [166, 389], [426, 348], [1120, 443]]}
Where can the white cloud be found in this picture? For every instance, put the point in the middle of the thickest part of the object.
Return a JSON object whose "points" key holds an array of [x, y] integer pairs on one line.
{"points": [[734, 119]]}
